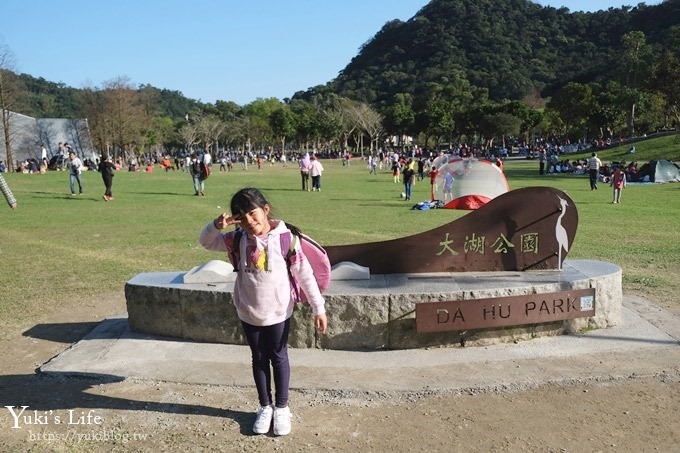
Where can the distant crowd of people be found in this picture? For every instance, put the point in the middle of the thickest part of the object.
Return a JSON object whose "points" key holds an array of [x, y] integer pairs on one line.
{"points": [[406, 165]]}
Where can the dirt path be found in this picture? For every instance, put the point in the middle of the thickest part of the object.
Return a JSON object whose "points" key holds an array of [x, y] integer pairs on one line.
{"points": [[632, 413]]}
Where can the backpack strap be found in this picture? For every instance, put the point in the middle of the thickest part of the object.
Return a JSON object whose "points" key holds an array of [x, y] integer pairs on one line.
{"points": [[289, 241], [235, 254], [293, 229]]}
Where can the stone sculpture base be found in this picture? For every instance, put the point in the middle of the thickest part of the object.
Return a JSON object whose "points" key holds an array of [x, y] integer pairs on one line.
{"points": [[378, 313]]}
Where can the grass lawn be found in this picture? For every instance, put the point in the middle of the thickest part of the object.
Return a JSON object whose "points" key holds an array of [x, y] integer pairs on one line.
{"points": [[56, 247]]}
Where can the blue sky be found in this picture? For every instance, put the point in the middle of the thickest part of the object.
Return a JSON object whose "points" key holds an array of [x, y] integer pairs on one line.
{"points": [[231, 50]]}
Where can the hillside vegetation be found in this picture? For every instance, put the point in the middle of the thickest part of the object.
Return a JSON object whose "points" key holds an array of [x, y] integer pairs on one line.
{"points": [[512, 48]]}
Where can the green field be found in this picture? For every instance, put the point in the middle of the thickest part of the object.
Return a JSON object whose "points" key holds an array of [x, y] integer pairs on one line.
{"points": [[56, 248]]}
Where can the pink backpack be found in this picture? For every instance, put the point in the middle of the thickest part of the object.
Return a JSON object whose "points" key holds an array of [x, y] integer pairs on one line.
{"points": [[315, 254]]}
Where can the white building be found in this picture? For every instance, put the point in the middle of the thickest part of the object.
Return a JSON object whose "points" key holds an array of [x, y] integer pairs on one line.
{"points": [[27, 134]]}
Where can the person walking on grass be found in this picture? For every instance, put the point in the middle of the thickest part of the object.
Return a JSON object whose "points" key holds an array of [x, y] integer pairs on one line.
{"points": [[618, 183], [396, 171], [106, 168], [594, 164], [195, 169], [316, 170], [408, 177], [262, 296], [448, 187], [305, 164], [75, 166]]}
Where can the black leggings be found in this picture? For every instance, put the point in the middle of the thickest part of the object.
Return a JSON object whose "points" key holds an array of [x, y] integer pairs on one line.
{"points": [[269, 345], [108, 182], [305, 180], [593, 175]]}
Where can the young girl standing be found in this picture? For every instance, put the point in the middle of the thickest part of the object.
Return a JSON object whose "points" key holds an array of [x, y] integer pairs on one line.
{"points": [[618, 183], [262, 296]]}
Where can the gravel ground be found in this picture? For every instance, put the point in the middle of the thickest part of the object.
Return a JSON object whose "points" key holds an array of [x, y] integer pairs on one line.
{"points": [[614, 413]]}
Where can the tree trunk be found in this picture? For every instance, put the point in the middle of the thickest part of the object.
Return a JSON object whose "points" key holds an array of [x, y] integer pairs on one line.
{"points": [[7, 136], [631, 121]]}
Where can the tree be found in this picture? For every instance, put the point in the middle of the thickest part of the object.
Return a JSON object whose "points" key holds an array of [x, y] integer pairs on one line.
{"points": [[283, 123], [400, 116], [308, 124], [209, 129], [189, 135], [606, 116], [441, 103], [258, 128], [341, 114], [436, 119], [330, 122], [499, 124], [667, 81], [574, 103], [119, 117], [10, 92], [550, 125], [235, 132], [635, 64], [164, 128], [94, 112], [666, 76], [650, 112], [535, 118], [227, 111], [370, 122]]}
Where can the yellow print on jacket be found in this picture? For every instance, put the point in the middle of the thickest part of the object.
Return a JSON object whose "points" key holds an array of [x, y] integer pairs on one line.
{"points": [[258, 257]]}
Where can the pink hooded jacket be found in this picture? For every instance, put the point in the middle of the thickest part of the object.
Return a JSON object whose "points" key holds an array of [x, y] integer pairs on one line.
{"points": [[262, 293]]}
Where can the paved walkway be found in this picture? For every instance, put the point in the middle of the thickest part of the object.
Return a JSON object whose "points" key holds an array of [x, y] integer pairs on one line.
{"points": [[646, 344]]}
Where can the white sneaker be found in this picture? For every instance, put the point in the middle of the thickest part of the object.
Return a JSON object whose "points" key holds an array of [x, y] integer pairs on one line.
{"points": [[263, 420], [282, 418]]}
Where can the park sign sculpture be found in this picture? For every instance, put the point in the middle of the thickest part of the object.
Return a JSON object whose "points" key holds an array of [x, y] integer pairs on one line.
{"points": [[525, 229], [529, 229], [473, 281]]}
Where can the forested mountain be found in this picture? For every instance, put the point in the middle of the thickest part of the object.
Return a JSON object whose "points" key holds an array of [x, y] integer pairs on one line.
{"points": [[44, 99], [513, 48]]}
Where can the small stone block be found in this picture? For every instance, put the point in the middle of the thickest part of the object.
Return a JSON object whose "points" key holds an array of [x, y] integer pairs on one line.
{"points": [[214, 271], [346, 270]]}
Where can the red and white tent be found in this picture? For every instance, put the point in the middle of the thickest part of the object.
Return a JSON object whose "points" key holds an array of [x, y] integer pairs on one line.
{"points": [[468, 183]]}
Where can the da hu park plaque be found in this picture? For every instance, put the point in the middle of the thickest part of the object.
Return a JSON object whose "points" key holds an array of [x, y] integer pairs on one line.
{"points": [[505, 311]]}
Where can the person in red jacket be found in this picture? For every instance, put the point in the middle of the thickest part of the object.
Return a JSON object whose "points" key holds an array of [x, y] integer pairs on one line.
{"points": [[433, 184], [618, 182]]}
